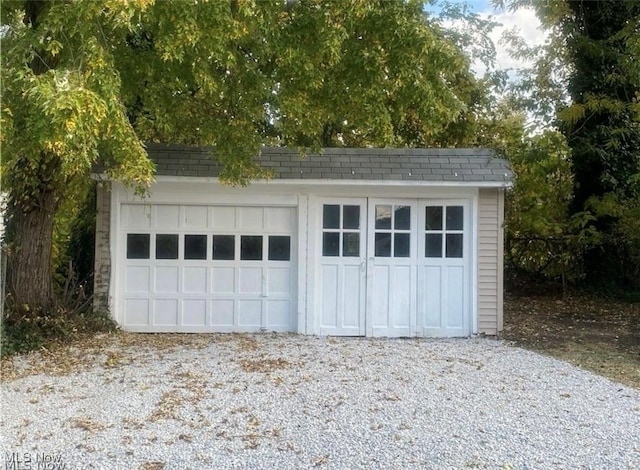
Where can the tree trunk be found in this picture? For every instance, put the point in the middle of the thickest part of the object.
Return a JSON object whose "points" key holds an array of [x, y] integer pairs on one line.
{"points": [[32, 204], [29, 260], [32, 207]]}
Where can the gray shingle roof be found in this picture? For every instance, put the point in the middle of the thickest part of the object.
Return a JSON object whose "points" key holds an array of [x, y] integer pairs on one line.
{"points": [[389, 164]]}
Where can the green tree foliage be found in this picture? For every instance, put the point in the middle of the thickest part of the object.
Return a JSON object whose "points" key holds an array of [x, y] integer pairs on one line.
{"points": [[602, 126], [602, 123], [89, 81], [586, 81], [74, 241], [310, 74], [542, 237], [61, 107], [481, 90]]}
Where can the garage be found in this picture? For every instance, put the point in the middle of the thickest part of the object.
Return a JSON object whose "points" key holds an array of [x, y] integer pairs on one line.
{"points": [[197, 268], [347, 242]]}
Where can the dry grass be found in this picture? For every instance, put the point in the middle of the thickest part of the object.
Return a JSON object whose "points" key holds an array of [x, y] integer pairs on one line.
{"points": [[597, 334], [594, 333], [152, 465], [109, 350], [187, 389], [87, 424], [264, 365]]}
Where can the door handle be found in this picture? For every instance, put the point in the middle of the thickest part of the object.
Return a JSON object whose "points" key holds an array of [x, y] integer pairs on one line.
{"points": [[363, 265]]}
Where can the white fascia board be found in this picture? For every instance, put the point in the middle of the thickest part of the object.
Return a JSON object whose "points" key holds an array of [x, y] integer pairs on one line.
{"points": [[329, 182], [342, 182]]}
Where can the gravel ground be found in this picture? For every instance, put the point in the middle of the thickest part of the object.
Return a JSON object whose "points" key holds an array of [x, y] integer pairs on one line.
{"points": [[287, 401]]}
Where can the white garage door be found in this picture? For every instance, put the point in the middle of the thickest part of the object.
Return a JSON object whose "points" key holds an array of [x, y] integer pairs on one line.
{"points": [[394, 267], [195, 268]]}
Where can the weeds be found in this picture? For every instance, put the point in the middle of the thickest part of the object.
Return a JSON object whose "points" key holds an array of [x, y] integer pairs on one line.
{"points": [[71, 317], [23, 330]]}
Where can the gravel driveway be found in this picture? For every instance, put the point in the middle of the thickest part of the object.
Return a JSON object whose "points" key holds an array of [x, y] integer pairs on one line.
{"points": [[287, 401]]}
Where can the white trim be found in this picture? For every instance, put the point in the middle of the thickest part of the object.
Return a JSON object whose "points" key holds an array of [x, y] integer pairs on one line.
{"points": [[473, 263], [313, 273], [500, 293], [303, 249], [201, 195], [327, 181], [114, 239]]}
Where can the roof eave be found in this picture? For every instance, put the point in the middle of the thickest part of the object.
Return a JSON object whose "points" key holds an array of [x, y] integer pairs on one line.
{"points": [[330, 182]]}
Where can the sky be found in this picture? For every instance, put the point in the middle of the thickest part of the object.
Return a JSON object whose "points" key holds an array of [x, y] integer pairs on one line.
{"points": [[523, 19]]}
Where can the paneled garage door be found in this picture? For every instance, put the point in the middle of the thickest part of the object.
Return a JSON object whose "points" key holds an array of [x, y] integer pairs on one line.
{"points": [[196, 268], [394, 267]]}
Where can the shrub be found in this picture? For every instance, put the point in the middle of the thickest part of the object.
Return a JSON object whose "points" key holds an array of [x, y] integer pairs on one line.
{"points": [[23, 330]]}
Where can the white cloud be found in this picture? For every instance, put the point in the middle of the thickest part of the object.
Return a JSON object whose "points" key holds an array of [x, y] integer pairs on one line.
{"points": [[528, 26], [523, 20]]}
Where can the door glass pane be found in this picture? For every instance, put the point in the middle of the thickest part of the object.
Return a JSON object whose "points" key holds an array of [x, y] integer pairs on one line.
{"points": [[279, 248], [166, 246], [383, 245], [454, 245], [331, 216], [138, 245], [434, 218], [195, 247], [401, 243], [224, 247], [330, 244], [351, 244], [351, 217], [383, 217], [402, 218], [433, 245], [454, 218], [251, 247]]}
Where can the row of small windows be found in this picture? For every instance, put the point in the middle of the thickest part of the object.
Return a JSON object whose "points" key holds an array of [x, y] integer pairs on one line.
{"points": [[433, 245], [341, 237], [444, 227], [349, 217], [396, 243], [223, 247]]}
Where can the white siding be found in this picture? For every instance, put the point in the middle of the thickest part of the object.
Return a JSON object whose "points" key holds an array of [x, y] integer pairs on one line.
{"points": [[490, 260]]}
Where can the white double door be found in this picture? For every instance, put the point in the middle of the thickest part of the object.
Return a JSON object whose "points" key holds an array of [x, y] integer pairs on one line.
{"points": [[394, 267]]}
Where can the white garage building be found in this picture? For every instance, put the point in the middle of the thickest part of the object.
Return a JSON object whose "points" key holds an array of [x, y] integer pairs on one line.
{"points": [[358, 242]]}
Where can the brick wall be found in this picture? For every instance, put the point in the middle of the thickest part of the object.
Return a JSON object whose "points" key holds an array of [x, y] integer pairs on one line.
{"points": [[102, 268]]}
